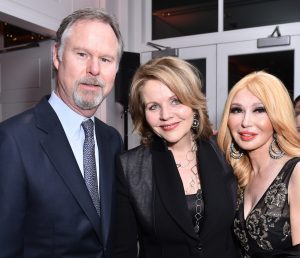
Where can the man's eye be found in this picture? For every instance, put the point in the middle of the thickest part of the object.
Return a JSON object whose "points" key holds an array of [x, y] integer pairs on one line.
{"points": [[105, 60], [81, 54]]}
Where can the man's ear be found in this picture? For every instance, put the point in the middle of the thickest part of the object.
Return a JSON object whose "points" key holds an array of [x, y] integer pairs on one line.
{"points": [[55, 57]]}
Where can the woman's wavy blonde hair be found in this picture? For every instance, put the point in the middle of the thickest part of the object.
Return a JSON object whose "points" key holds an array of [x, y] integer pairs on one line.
{"points": [[279, 107], [182, 79]]}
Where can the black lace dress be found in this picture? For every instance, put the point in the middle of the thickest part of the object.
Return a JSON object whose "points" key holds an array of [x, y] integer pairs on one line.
{"points": [[266, 232]]}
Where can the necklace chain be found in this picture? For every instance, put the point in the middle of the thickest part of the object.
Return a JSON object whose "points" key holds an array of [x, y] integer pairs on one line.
{"points": [[194, 183], [198, 215], [189, 157], [190, 165]]}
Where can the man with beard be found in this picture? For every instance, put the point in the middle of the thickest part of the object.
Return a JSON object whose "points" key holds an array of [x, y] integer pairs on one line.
{"points": [[57, 159]]}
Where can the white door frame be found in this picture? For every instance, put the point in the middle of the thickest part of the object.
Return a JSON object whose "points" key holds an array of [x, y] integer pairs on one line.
{"points": [[209, 53]]}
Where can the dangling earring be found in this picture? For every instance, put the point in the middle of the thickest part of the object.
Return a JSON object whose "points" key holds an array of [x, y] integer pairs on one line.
{"points": [[196, 122], [274, 150], [234, 152]]}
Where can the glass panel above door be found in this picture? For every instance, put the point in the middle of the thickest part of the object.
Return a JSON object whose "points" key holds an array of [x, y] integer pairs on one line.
{"points": [[280, 64], [178, 18], [240, 14]]}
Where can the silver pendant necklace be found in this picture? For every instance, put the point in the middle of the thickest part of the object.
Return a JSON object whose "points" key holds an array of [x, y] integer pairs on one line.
{"points": [[189, 157], [198, 215]]}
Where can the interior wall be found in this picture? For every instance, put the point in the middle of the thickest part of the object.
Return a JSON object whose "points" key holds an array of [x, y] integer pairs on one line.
{"points": [[40, 16], [114, 112], [44, 17], [129, 15]]}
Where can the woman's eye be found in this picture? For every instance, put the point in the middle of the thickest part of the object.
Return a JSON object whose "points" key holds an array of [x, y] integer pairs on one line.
{"points": [[175, 101], [260, 110], [152, 107], [235, 110]]}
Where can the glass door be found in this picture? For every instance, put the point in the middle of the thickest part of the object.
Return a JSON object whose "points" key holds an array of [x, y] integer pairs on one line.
{"points": [[234, 60]]}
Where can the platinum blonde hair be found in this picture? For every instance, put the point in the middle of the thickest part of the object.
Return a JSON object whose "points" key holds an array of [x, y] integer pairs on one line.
{"points": [[279, 107]]}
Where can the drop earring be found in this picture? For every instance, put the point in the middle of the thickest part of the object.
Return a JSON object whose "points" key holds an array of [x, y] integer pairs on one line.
{"points": [[234, 152], [196, 122], [274, 150]]}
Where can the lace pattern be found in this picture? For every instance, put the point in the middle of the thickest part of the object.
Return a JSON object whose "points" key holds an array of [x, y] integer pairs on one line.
{"points": [[267, 227]]}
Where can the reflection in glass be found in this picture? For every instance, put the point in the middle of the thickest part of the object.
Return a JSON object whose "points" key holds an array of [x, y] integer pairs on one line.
{"points": [[239, 14], [280, 64], [183, 17]]}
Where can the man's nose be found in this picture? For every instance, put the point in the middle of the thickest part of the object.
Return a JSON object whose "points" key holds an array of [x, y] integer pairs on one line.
{"points": [[93, 67]]}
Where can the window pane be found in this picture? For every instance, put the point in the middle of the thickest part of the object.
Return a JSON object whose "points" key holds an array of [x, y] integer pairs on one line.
{"points": [[239, 14], [280, 64], [200, 64], [183, 17]]}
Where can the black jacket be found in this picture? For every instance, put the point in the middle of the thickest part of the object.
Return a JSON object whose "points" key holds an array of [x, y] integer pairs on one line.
{"points": [[45, 207], [151, 205]]}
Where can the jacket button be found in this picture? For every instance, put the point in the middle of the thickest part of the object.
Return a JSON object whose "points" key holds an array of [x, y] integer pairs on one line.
{"points": [[199, 247]]}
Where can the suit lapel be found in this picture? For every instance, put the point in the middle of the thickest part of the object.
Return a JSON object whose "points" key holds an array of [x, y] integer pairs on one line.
{"points": [[170, 188], [213, 187], [58, 149]]}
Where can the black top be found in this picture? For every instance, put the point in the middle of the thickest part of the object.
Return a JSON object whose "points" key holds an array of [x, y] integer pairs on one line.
{"points": [[197, 213], [266, 231]]}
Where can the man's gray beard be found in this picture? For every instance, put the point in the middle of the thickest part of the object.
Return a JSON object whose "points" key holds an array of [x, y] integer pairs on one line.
{"points": [[84, 104], [93, 101]]}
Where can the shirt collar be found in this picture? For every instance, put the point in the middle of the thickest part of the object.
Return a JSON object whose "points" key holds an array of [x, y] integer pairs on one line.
{"points": [[70, 120]]}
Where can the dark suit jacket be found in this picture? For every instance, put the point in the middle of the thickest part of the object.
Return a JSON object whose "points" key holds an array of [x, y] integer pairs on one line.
{"points": [[45, 207], [151, 206]]}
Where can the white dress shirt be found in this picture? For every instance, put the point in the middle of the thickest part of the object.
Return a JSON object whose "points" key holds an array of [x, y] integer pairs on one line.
{"points": [[71, 122]]}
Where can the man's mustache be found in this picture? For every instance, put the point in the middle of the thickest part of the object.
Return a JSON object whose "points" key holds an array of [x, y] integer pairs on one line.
{"points": [[91, 81]]}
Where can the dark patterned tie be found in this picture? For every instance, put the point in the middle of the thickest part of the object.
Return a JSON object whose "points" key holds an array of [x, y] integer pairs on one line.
{"points": [[89, 163]]}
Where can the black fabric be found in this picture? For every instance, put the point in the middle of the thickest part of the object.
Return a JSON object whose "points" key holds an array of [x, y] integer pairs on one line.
{"points": [[293, 252], [45, 207], [266, 232], [152, 209]]}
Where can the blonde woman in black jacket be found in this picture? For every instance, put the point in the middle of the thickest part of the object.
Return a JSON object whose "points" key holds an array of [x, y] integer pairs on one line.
{"points": [[175, 192]]}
